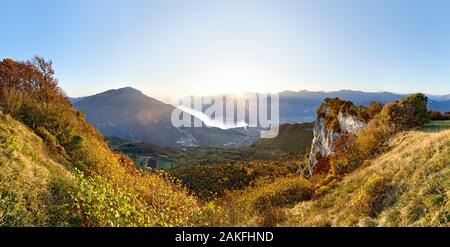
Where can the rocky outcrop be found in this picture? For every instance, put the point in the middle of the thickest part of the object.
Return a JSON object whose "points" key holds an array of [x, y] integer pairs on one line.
{"points": [[325, 137], [351, 124]]}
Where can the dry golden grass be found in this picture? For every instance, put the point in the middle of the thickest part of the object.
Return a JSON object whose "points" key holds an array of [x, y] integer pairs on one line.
{"points": [[38, 188], [417, 194], [262, 203], [407, 186], [30, 180]]}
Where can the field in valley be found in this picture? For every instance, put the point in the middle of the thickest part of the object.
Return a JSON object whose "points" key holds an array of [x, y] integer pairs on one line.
{"points": [[436, 126]]}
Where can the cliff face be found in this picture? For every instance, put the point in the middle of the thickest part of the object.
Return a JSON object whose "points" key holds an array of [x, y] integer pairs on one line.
{"points": [[325, 137]]}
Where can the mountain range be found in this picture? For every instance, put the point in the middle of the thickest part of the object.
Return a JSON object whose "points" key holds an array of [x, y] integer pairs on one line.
{"points": [[129, 114], [301, 106]]}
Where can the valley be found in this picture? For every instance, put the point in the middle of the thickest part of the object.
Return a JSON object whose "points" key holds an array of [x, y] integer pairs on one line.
{"points": [[384, 164], [128, 114], [292, 141]]}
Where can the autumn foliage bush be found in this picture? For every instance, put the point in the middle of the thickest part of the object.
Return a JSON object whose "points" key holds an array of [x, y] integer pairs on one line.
{"points": [[283, 192], [353, 151], [261, 203], [374, 109], [368, 201], [322, 167], [439, 116]]}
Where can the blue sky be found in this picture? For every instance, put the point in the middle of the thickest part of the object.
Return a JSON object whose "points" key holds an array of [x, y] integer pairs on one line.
{"points": [[206, 47]]}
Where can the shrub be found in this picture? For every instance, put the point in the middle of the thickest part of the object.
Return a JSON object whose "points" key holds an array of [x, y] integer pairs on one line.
{"points": [[363, 113], [417, 104], [374, 109], [209, 182], [11, 101], [369, 142], [272, 218], [101, 205], [394, 117], [342, 143], [368, 201], [438, 116], [281, 193], [409, 113], [365, 146], [51, 141], [322, 167]]}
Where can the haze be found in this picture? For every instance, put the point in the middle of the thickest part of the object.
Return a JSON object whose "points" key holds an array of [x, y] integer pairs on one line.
{"points": [[210, 47]]}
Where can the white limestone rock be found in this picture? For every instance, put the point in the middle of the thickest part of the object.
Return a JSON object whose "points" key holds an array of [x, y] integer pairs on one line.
{"points": [[325, 138]]}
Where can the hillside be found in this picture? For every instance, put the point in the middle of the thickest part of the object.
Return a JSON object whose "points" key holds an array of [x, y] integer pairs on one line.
{"points": [[32, 181], [76, 180], [39, 188], [293, 139], [406, 186]]}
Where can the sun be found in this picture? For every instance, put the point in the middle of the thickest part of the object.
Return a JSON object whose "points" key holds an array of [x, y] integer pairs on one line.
{"points": [[227, 86], [233, 80]]}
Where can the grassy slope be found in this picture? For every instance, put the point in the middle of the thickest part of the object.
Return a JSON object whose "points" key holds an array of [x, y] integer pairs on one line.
{"points": [[31, 182], [418, 168]]}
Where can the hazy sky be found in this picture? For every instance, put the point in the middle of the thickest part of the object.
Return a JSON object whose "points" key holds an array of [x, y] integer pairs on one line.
{"points": [[205, 47]]}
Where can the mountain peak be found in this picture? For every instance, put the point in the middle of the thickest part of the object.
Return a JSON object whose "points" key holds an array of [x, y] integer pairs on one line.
{"points": [[128, 90], [125, 95]]}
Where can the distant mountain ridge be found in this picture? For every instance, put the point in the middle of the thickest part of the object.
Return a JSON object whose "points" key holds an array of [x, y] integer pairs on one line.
{"points": [[75, 100], [129, 114], [440, 97], [301, 106]]}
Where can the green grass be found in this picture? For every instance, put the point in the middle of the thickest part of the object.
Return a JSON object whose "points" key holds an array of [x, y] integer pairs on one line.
{"points": [[436, 126]]}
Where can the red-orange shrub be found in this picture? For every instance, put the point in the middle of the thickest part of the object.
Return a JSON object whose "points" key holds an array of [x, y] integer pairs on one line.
{"points": [[322, 167]]}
